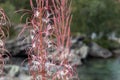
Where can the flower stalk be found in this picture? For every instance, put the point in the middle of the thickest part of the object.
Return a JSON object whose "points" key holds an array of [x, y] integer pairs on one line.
{"points": [[48, 56], [3, 35]]}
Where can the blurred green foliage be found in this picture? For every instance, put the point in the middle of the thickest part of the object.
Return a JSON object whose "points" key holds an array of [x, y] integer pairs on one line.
{"points": [[88, 15], [10, 11], [96, 16], [108, 44], [11, 6]]}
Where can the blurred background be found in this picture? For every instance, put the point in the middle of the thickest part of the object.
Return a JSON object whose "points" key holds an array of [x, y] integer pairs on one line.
{"points": [[95, 37]]}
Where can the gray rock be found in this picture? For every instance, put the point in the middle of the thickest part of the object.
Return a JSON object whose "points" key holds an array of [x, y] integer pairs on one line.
{"points": [[78, 51], [8, 78], [15, 46], [15, 72], [24, 77], [18, 44], [74, 59], [82, 51], [97, 51], [116, 52], [12, 70]]}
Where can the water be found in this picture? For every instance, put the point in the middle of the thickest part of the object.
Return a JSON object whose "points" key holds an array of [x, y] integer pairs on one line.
{"points": [[100, 69]]}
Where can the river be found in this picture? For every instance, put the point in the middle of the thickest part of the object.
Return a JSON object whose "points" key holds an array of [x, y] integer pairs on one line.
{"points": [[100, 69]]}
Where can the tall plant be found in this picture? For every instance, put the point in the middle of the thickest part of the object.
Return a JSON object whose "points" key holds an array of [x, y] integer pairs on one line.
{"points": [[48, 56], [3, 35]]}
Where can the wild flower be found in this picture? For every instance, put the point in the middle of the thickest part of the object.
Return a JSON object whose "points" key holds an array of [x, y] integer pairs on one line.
{"points": [[3, 35], [48, 56]]}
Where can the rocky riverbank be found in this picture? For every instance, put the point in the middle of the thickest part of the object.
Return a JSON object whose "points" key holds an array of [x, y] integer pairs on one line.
{"points": [[80, 51]]}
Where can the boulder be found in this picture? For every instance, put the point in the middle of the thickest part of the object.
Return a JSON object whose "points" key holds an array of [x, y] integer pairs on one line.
{"points": [[24, 77], [77, 42], [74, 59], [79, 51], [82, 51], [15, 72], [80, 48], [12, 70], [97, 51], [116, 52], [18, 45]]}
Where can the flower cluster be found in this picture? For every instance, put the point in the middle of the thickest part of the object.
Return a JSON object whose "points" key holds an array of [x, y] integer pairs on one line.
{"points": [[48, 57]]}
